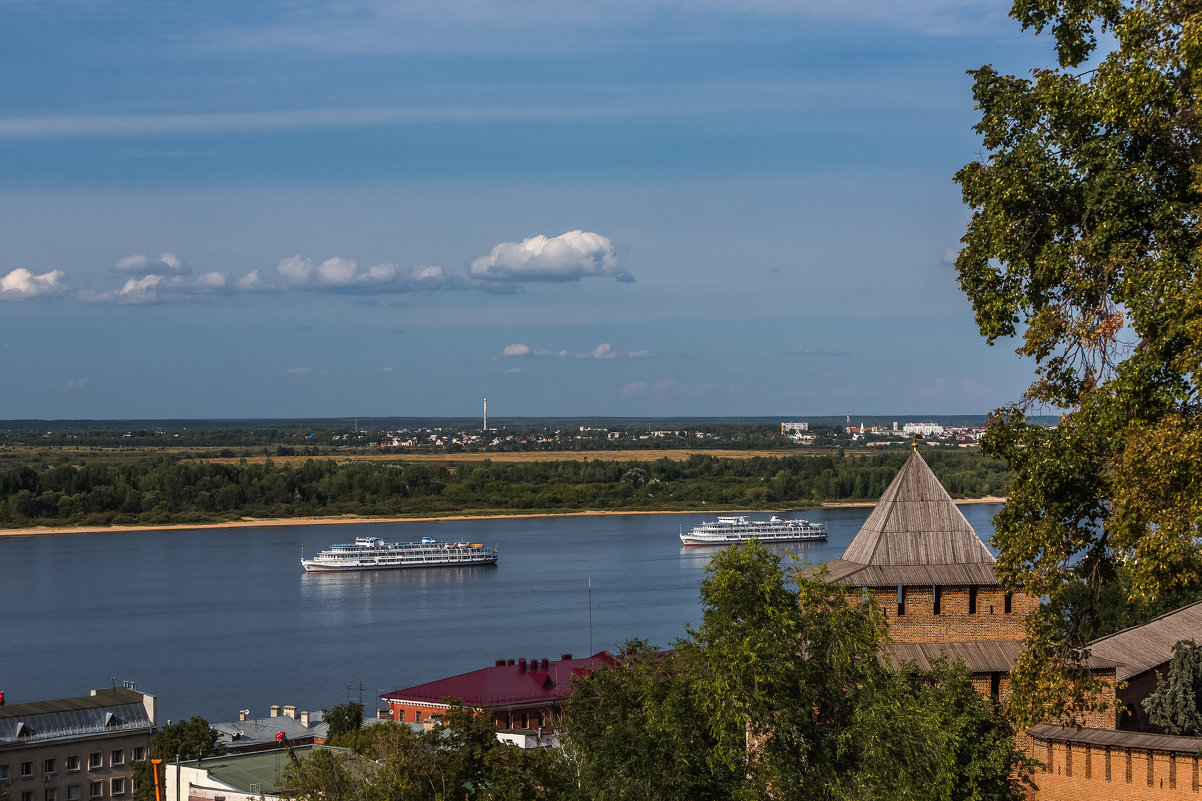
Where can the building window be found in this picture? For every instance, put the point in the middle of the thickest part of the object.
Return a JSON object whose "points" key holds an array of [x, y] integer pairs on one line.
{"points": [[901, 600], [73, 792], [72, 763], [972, 600], [118, 786], [48, 766], [27, 795], [995, 685], [417, 716], [51, 794], [1009, 603], [139, 754], [26, 770], [118, 757], [96, 790], [95, 760], [3, 773]]}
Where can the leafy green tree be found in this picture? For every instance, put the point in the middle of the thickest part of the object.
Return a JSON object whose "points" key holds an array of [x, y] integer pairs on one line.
{"points": [[329, 775], [1174, 707], [1084, 243], [633, 733], [187, 739], [342, 720], [784, 693]]}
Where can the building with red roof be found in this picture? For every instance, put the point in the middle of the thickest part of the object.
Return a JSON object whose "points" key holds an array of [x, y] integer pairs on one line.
{"points": [[525, 694]]}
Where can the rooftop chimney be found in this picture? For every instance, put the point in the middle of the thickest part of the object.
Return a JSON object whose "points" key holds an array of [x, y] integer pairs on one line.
{"points": [[290, 712], [275, 710], [509, 661], [305, 718], [546, 664], [243, 714], [565, 657], [522, 663], [500, 663]]}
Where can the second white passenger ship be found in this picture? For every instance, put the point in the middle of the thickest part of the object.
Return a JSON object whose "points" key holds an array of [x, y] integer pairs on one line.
{"points": [[737, 528]]}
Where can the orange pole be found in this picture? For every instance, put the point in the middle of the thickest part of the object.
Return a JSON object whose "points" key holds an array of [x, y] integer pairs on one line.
{"points": [[154, 763]]}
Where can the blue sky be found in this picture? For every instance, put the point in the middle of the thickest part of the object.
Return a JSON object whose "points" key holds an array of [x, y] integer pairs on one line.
{"points": [[375, 207]]}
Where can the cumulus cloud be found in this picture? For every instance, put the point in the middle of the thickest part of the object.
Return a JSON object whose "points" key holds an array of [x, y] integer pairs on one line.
{"points": [[21, 284], [134, 291], [344, 275], [603, 351], [212, 281], [950, 256], [567, 257], [519, 349], [251, 282], [141, 264]]}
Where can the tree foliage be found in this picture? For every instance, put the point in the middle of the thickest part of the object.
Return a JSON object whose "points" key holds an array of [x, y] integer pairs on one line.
{"points": [[343, 719], [185, 739], [463, 759], [170, 490], [783, 692], [1085, 244], [1174, 707]]}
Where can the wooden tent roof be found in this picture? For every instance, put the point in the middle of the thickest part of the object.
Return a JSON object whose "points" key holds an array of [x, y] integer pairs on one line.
{"points": [[915, 536], [1149, 645]]}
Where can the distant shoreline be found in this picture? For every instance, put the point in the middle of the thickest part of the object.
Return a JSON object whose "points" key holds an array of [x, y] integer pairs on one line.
{"points": [[288, 522]]}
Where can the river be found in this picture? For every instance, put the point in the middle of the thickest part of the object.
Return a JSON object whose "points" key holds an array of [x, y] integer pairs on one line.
{"points": [[216, 620]]}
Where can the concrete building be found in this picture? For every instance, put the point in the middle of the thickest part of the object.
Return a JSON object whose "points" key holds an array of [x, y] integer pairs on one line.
{"points": [[75, 749]]}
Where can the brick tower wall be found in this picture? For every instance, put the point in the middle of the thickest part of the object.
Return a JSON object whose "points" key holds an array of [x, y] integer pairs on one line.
{"points": [[954, 623]]}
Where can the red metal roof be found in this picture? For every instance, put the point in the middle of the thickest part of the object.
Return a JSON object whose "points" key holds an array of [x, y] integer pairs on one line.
{"points": [[504, 685]]}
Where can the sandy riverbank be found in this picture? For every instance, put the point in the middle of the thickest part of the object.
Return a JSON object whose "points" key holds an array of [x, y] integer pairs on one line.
{"points": [[282, 522]]}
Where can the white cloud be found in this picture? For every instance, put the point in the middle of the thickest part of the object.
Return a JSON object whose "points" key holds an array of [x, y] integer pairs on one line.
{"points": [[295, 269], [603, 351], [299, 371], [140, 290], [21, 284], [513, 370], [567, 257], [214, 281], [337, 272], [516, 349], [343, 275], [950, 256], [141, 264], [250, 282], [638, 354], [77, 383]]}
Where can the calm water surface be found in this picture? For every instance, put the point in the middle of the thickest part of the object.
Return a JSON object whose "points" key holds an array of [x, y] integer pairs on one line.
{"points": [[214, 621]]}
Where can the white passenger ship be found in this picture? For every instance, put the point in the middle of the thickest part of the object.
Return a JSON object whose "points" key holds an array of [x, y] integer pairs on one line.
{"points": [[372, 553], [737, 528]]}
